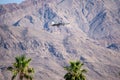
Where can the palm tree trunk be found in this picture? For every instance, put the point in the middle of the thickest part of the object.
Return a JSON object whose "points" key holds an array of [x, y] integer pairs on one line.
{"points": [[21, 76]]}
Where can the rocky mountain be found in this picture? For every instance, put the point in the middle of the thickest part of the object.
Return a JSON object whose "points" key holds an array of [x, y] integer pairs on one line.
{"points": [[54, 32]]}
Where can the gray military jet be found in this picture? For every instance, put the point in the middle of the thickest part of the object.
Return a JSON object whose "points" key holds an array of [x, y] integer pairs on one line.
{"points": [[59, 24]]}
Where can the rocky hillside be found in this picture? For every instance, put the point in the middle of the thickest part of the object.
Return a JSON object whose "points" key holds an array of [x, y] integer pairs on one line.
{"points": [[54, 32]]}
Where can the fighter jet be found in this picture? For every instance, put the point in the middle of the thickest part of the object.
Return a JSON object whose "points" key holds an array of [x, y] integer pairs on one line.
{"points": [[59, 24]]}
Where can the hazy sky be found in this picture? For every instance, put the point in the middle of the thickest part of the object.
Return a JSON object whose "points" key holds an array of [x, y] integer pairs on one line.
{"points": [[10, 1]]}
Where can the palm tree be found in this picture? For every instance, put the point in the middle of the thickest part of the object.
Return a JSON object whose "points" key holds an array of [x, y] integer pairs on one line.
{"points": [[21, 68], [74, 71]]}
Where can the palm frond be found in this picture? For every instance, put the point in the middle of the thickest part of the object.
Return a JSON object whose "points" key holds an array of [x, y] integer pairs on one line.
{"points": [[83, 71], [28, 76], [21, 66], [75, 71], [30, 70], [18, 62], [14, 74], [10, 68], [23, 57], [26, 63], [68, 76]]}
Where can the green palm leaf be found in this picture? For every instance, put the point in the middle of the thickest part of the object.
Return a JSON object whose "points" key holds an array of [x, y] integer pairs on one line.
{"points": [[14, 74], [10, 68], [28, 76], [75, 71], [21, 67]]}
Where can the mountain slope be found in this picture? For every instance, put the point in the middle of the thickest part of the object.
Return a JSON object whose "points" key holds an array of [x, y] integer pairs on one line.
{"points": [[26, 28]]}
